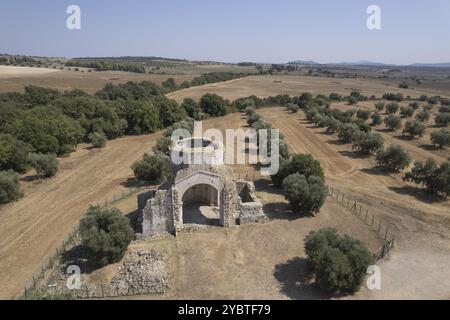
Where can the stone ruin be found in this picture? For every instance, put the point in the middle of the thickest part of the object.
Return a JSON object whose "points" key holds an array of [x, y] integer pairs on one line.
{"points": [[201, 193]]}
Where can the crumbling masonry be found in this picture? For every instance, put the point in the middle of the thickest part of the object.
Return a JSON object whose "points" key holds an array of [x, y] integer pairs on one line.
{"points": [[212, 184]]}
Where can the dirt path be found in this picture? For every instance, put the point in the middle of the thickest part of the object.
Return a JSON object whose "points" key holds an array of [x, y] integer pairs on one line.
{"points": [[34, 226], [422, 227], [255, 261]]}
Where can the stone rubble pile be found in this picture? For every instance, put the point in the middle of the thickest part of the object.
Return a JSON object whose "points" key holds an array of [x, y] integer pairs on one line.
{"points": [[142, 271]]}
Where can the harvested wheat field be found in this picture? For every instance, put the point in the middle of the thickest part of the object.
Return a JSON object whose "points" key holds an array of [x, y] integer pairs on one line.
{"points": [[263, 86], [16, 78], [33, 227], [421, 224]]}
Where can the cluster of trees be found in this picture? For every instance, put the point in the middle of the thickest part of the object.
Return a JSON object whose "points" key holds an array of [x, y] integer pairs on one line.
{"points": [[104, 65], [152, 169], [213, 77], [48, 122], [300, 176], [12, 60], [394, 96], [303, 181], [339, 262]]}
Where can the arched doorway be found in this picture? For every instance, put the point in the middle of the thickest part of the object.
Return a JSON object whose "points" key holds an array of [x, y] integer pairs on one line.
{"points": [[201, 205]]}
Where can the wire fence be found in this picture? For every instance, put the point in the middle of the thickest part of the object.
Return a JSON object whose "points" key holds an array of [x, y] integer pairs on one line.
{"points": [[380, 226], [72, 239]]}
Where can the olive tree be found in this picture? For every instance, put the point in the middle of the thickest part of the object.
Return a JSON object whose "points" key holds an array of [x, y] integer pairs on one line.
{"points": [[9, 186], [414, 128], [393, 122], [441, 138], [338, 261], [393, 158], [305, 194], [105, 234], [46, 165]]}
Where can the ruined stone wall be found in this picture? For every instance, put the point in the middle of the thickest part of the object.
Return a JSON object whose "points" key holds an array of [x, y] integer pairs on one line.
{"points": [[250, 208], [157, 214]]}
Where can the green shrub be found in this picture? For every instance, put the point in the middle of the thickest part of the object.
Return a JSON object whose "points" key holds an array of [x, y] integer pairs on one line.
{"points": [[423, 115], [98, 139], [436, 179], [441, 138], [9, 186], [347, 132], [406, 112], [394, 158], [152, 169], [393, 122], [376, 119], [170, 112], [46, 165], [414, 128], [414, 105], [13, 153], [304, 164], [192, 109], [254, 117], [369, 143], [105, 234], [339, 262], [392, 108], [48, 130], [214, 105], [363, 114], [379, 106], [292, 107], [305, 194], [333, 125], [442, 119]]}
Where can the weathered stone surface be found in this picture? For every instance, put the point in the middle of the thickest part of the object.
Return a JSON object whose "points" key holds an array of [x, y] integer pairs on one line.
{"points": [[203, 183], [142, 271]]}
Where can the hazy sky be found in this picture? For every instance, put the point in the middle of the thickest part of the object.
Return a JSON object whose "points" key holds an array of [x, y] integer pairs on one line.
{"points": [[231, 30]]}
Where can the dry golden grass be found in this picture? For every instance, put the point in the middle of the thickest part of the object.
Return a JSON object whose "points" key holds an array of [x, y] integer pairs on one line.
{"points": [[264, 86], [16, 78]]}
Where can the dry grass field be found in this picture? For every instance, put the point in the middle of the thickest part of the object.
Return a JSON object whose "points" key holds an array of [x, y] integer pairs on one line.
{"points": [[264, 86], [422, 226], [34, 226], [16, 78]]}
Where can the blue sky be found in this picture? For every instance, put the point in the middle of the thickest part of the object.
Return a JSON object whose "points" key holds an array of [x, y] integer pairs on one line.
{"points": [[231, 30]]}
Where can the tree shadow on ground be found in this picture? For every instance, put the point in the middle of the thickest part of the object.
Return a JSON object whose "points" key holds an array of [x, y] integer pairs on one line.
{"points": [[266, 185], [337, 142], [404, 138], [133, 216], [430, 147], [418, 193], [378, 171], [384, 130], [278, 210], [132, 183], [77, 255], [297, 281], [31, 178], [355, 154]]}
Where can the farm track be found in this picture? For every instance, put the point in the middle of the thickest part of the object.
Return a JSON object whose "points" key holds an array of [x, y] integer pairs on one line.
{"points": [[34, 226], [422, 227]]}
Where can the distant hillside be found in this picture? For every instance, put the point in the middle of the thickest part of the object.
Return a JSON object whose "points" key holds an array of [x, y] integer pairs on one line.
{"points": [[434, 65], [308, 62]]}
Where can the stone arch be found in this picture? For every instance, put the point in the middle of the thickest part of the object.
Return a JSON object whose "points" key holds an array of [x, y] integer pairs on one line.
{"points": [[197, 179]]}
